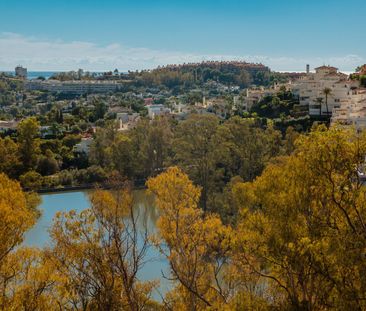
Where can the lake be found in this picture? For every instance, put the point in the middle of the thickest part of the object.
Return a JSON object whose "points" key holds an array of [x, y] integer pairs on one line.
{"points": [[144, 206]]}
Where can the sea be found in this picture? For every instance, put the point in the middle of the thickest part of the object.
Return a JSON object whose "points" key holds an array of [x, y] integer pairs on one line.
{"points": [[35, 74]]}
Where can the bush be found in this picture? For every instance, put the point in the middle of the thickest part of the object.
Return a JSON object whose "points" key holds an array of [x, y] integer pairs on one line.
{"points": [[31, 180], [92, 174]]}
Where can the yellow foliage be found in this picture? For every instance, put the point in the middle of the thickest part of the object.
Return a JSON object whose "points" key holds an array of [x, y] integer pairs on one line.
{"points": [[15, 214], [97, 256], [196, 245], [302, 223]]}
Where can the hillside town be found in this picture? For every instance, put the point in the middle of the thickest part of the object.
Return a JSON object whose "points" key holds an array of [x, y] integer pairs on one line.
{"points": [[324, 93]]}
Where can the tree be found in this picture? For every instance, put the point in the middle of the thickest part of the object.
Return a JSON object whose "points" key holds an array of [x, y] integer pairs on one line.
{"points": [[303, 229], [100, 110], [319, 101], [47, 164], [17, 214], [98, 254], [29, 281], [152, 141], [194, 148], [196, 245], [121, 156], [31, 180], [103, 139], [9, 157], [28, 131], [327, 92], [244, 149], [244, 79]]}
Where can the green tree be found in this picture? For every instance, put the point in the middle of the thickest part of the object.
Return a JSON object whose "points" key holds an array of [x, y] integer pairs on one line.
{"points": [[327, 92], [28, 132], [47, 164], [319, 101], [10, 163], [194, 147], [152, 143], [100, 110]]}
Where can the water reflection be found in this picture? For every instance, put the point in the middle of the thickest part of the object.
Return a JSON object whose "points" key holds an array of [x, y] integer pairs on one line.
{"points": [[144, 207]]}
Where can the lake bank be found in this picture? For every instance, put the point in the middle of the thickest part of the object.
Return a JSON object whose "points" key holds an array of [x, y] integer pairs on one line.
{"points": [[137, 185]]}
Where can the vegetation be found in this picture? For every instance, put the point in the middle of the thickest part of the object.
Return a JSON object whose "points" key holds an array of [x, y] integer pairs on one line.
{"points": [[259, 210], [188, 76], [277, 106], [297, 243], [360, 75], [210, 152]]}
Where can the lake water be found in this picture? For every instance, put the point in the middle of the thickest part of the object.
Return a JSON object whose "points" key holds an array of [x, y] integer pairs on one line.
{"points": [[78, 200]]}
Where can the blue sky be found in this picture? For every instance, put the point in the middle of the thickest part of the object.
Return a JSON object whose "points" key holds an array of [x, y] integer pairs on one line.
{"points": [[136, 34]]}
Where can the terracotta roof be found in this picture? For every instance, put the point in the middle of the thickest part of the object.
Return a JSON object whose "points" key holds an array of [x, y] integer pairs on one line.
{"points": [[326, 67]]}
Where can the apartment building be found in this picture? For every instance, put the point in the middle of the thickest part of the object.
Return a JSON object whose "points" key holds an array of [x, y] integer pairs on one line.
{"points": [[311, 90], [73, 87], [352, 111]]}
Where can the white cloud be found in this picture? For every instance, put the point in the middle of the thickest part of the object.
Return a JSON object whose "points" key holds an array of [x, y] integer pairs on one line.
{"points": [[41, 54]]}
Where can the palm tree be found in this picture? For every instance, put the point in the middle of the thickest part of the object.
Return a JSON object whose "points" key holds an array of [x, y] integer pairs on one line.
{"points": [[327, 92], [319, 101]]}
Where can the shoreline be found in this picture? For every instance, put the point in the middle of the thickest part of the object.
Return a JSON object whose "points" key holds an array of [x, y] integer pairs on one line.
{"points": [[137, 185]]}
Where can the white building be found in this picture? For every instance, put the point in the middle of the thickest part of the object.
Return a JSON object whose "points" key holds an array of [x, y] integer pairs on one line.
{"points": [[84, 145], [21, 72], [73, 87], [352, 111], [157, 110], [310, 90], [127, 121]]}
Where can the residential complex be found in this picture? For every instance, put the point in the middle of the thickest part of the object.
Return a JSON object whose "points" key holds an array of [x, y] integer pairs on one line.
{"points": [[324, 90], [73, 87], [352, 111]]}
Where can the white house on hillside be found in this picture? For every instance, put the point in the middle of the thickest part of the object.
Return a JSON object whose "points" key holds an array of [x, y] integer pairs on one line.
{"points": [[310, 90]]}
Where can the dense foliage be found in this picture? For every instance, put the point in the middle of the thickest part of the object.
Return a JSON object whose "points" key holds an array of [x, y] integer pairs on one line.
{"points": [[188, 76], [210, 151], [298, 242], [278, 106]]}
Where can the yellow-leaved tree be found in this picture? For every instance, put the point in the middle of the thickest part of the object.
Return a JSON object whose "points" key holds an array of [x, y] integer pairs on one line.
{"points": [[17, 214], [303, 224], [197, 245], [97, 255]]}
